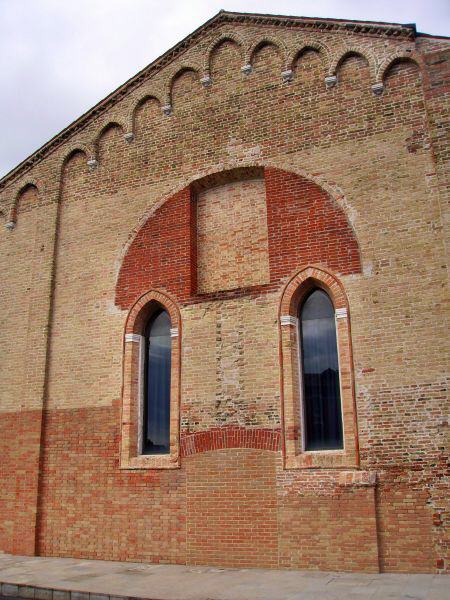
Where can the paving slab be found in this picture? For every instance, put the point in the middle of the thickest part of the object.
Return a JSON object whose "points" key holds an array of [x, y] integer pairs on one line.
{"points": [[74, 579]]}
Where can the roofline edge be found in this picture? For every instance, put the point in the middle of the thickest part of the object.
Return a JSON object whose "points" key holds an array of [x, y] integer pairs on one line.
{"points": [[405, 30]]}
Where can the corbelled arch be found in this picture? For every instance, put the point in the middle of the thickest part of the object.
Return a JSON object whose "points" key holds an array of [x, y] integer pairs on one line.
{"points": [[137, 103], [296, 52], [31, 185], [349, 51], [267, 40], [390, 61], [224, 36], [104, 128], [174, 75]]}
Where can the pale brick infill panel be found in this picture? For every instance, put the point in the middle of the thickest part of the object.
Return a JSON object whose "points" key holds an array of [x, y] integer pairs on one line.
{"points": [[355, 185], [232, 237]]}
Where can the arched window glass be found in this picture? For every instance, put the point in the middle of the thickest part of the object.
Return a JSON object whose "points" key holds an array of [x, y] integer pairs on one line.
{"points": [[156, 438], [320, 374]]}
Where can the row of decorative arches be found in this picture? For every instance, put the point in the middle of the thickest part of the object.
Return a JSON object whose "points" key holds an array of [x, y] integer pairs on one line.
{"points": [[163, 95], [289, 55]]}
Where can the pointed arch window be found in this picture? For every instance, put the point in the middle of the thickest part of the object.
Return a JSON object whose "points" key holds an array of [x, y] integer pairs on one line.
{"points": [[151, 386], [317, 381], [320, 373]]}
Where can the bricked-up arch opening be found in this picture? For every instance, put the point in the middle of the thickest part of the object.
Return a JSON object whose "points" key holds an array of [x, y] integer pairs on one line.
{"points": [[232, 238], [403, 100], [27, 198], [184, 88], [353, 71], [225, 63], [75, 176], [308, 65], [162, 255], [147, 116], [109, 145], [304, 225], [267, 62]]}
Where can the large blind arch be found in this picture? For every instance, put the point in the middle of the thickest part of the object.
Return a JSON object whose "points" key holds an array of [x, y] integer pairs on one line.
{"points": [[320, 378]]}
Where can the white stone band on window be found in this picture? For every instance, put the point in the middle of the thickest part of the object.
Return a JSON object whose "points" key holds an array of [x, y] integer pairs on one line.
{"points": [[133, 337], [341, 313], [288, 320], [174, 332]]}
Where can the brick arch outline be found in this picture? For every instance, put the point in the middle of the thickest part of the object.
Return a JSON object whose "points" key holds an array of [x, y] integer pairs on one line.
{"points": [[176, 74], [349, 51], [224, 36], [300, 283], [87, 149], [133, 349], [137, 103], [142, 309], [322, 50], [267, 40], [106, 126], [335, 192], [398, 57], [20, 190], [315, 229]]}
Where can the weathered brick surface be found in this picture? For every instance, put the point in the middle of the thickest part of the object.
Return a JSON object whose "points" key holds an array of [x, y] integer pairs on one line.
{"points": [[18, 469], [306, 227], [348, 180], [160, 256], [88, 507], [308, 501], [232, 508]]}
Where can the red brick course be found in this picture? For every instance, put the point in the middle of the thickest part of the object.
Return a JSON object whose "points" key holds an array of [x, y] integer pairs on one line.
{"points": [[230, 437], [306, 226], [20, 444], [160, 256]]}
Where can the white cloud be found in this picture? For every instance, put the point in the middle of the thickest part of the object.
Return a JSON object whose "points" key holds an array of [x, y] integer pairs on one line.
{"points": [[57, 59]]}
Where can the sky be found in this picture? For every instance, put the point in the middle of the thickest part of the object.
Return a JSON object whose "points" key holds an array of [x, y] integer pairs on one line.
{"points": [[58, 58]]}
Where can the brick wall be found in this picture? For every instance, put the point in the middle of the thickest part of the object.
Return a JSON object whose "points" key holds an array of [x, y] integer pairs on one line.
{"points": [[343, 178]]}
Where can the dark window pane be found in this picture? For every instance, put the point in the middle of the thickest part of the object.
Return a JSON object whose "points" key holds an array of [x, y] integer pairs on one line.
{"points": [[157, 385], [321, 389]]}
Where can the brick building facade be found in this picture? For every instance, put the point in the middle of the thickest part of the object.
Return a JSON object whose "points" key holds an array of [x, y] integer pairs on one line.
{"points": [[258, 160]]}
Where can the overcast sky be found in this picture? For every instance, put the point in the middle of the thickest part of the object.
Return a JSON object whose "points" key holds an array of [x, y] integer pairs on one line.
{"points": [[60, 57]]}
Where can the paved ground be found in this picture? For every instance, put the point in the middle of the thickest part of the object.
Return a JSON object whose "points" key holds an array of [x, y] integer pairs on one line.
{"points": [[172, 582]]}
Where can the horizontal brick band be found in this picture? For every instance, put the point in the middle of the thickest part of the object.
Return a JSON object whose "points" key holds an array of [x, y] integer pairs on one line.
{"points": [[230, 437]]}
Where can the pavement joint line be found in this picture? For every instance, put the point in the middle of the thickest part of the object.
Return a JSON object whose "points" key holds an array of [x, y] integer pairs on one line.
{"points": [[51, 578], [15, 590]]}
